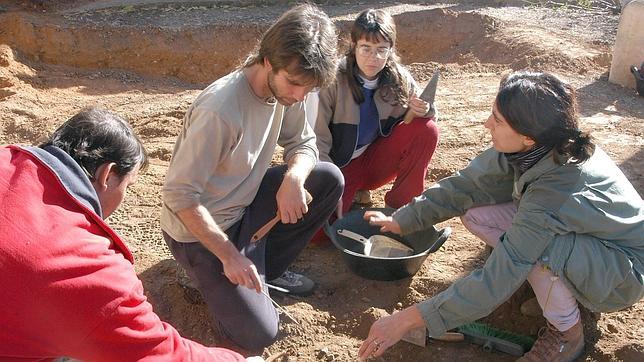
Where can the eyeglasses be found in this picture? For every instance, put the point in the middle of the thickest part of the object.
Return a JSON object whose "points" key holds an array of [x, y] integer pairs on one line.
{"points": [[367, 51]]}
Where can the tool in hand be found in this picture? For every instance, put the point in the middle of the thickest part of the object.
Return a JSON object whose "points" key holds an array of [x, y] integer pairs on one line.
{"points": [[261, 232], [493, 339], [418, 336], [279, 289], [379, 245], [428, 95], [280, 308]]}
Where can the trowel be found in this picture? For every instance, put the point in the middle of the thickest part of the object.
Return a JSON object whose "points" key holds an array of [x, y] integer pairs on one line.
{"points": [[428, 95], [418, 336], [379, 245]]}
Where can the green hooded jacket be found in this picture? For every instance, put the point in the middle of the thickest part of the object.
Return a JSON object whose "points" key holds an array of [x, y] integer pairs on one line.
{"points": [[583, 221]]}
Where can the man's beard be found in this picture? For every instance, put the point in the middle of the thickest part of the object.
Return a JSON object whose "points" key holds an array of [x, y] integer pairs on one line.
{"points": [[271, 86]]}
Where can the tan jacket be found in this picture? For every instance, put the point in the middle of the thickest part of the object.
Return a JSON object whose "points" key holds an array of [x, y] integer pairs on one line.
{"points": [[336, 127]]}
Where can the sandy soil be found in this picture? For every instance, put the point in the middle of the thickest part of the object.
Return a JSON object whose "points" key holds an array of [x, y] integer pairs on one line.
{"points": [[148, 60]]}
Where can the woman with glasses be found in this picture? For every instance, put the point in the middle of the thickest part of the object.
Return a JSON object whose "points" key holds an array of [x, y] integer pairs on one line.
{"points": [[359, 123]]}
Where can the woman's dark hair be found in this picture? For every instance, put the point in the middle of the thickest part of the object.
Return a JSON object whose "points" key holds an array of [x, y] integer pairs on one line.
{"points": [[303, 42], [544, 108], [376, 25], [96, 136]]}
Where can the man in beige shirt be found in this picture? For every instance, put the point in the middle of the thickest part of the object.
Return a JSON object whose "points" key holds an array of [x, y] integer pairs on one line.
{"points": [[220, 187]]}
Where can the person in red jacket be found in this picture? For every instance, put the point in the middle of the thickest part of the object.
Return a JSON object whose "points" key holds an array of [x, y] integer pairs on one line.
{"points": [[69, 287]]}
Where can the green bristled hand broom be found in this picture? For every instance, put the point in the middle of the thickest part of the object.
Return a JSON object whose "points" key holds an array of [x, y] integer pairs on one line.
{"points": [[493, 339]]}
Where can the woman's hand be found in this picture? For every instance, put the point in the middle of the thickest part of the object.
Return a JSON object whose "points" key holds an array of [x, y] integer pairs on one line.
{"points": [[387, 331], [386, 223], [418, 106]]}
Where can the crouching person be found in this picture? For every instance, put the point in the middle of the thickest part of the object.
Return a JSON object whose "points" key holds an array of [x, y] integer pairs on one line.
{"points": [[69, 287], [557, 211], [221, 187]]}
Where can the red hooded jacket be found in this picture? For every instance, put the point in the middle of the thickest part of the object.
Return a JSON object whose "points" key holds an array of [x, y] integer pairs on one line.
{"points": [[67, 281]]}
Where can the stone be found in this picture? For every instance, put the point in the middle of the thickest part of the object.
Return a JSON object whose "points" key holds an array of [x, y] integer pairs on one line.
{"points": [[629, 45]]}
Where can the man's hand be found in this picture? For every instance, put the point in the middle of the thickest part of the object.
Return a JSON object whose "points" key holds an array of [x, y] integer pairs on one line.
{"points": [[241, 271], [386, 223], [291, 200], [291, 196], [237, 268]]}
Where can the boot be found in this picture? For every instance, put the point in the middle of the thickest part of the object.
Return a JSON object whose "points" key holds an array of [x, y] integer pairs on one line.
{"points": [[555, 346]]}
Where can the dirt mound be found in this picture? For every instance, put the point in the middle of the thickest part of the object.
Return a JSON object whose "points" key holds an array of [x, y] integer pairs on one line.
{"points": [[202, 50], [6, 78]]}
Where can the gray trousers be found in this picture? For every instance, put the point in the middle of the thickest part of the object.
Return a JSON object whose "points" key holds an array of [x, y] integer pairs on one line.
{"points": [[246, 317]]}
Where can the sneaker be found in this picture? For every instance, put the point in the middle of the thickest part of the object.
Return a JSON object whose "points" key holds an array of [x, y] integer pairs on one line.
{"points": [[555, 346], [531, 308], [363, 197], [292, 283]]}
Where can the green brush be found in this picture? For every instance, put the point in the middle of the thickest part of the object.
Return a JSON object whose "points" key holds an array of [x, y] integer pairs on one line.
{"points": [[496, 339]]}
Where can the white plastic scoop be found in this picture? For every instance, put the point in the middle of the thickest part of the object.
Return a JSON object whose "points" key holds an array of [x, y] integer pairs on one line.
{"points": [[379, 245]]}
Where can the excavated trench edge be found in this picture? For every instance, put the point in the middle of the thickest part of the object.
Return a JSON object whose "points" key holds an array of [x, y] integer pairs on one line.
{"points": [[201, 54]]}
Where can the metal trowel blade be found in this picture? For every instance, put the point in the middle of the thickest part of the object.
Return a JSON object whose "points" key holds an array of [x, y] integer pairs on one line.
{"points": [[386, 247], [429, 93], [417, 336]]}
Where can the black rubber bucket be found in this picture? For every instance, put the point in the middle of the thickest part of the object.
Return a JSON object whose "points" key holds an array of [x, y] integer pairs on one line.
{"points": [[639, 78], [377, 268]]}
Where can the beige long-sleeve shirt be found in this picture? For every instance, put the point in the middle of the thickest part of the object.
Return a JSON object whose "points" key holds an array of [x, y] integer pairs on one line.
{"points": [[226, 145]]}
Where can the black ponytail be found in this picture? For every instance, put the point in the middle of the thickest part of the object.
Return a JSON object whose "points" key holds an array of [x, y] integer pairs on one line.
{"points": [[579, 147], [544, 108]]}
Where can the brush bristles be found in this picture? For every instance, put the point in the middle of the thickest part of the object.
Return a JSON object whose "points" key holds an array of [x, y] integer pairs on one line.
{"points": [[483, 330]]}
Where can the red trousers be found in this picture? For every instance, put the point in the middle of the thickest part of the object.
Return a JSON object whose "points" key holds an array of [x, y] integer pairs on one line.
{"points": [[403, 156]]}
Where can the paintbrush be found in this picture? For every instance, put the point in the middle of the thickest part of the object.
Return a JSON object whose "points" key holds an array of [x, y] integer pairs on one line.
{"points": [[280, 308]]}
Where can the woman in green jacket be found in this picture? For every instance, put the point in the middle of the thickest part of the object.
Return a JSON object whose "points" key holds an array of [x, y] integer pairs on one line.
{"points": [[557, 210]]}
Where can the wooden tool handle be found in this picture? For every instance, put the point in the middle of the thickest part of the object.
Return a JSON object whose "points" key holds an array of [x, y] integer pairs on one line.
{"points": [[409, 116], [451, 337], [261, 232]]}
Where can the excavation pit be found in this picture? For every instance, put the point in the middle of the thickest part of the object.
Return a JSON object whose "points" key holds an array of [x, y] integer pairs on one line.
{"points": [[148, 60]]}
